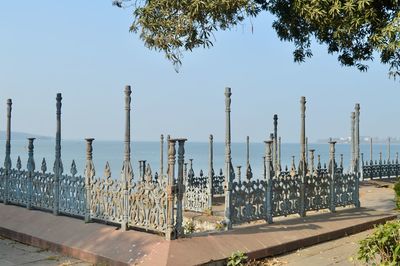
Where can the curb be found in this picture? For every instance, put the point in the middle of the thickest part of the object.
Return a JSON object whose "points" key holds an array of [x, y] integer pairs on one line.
{"points": [[65, 250]]}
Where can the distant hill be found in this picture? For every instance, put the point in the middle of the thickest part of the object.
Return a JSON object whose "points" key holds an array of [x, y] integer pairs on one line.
{"points": [[22, 136]]}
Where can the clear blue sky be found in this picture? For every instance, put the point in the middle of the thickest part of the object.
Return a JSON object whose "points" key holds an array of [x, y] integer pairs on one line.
{"points": [[84, 50]]}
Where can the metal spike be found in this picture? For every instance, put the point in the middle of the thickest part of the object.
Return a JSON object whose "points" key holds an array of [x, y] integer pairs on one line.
{"points": [[148, 175], [107, 171], [156, 177], [44, 166], [319, 162], [19, 165], [249, 173], [73, 170]]}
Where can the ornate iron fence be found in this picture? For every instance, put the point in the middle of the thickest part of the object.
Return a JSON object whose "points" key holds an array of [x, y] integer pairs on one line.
{"points": [[197, 192], [153, 204], [380, 169]]}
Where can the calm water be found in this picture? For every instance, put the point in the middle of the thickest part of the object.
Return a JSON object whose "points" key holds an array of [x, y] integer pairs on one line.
{"points": [[112, 151]]}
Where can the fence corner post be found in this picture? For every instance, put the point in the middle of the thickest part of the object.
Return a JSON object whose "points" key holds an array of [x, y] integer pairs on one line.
{"points": [[268, 177], [31, 168], [332, 170], [90, 172]]}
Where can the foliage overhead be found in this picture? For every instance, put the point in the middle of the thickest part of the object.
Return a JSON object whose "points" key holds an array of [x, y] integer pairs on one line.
{"points": [[355, 30]]}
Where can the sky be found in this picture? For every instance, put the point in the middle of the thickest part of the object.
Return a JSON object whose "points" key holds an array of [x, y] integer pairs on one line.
{"points": [[84, 50]]}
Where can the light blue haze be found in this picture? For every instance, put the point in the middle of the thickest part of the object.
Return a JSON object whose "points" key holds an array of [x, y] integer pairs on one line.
{"points": [[84, 50]]}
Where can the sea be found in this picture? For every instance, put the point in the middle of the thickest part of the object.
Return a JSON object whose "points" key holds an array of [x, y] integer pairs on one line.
{"points": [[113, 152]]}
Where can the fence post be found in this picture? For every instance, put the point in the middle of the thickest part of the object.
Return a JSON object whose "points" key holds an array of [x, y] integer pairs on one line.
{"points": [[380, 165], [171, 232], [397, 164], [161, 155], [356, 194], [31, 168], [279, 155], [370, 151], [58, 167], [210, 173], [362, 167], [312, 161], [357, 133], [90, 172], [228, 160], [388, 150], [127, 171], [275, 143], [268, 179], [302, 164], [7, 161], [180, 187], [249, 173], [353, 143], [332, 171]]}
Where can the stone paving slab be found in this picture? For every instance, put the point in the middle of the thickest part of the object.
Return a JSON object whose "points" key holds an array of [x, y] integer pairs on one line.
{"points": [[99, 243], [14, 253]]}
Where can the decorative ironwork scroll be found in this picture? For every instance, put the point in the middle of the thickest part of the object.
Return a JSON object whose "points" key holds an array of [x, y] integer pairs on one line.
{"points": [[285, 195], [147, 206], [380, 169], [72, 193], [345, 187], [218, 183], [317, 187], [42, 189], [106, 198], [248, 200], [197, 193], [18, 185]]}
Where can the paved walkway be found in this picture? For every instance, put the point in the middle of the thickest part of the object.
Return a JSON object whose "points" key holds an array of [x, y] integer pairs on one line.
{"points": [[15, 253], [105, 244], [342, 251]]}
